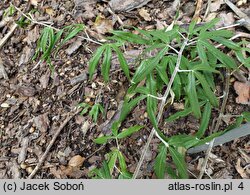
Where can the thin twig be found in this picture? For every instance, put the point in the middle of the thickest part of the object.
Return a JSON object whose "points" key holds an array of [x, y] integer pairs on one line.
{"points": [[224, 102], [44, 156], [204, 164], [2, 70], [50, 26], [207, 10], [239, 13], [162, 105], [198, 9], [8, 35]]}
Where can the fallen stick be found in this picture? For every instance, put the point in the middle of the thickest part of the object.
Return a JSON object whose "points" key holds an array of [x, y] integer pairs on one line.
{"points": [[2, 70], [239, 13], [231, 135], [44, 156], [8, 35]]}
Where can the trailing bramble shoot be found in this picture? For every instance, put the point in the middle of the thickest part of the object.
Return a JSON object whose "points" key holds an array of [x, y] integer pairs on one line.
{"points": [[182, 61]]}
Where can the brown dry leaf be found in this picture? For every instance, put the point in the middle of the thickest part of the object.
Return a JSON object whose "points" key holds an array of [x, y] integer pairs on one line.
{"points": [[243, 91], [103, 25], [74, 46], [226, 19], [73, 172], [44, 80], [144, 13], [26, 90], [240, 170], [76, 161], [32, 35], [26, 55], [215, 5], [210, 17], [34, 2], [57, 173], [50, 11], [42, 122]]}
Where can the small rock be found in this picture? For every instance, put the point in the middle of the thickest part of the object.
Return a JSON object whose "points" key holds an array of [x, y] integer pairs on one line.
{"points": [[76, 161]]}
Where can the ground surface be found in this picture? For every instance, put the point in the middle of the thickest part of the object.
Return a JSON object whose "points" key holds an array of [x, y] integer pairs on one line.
{"points": [[37, 103]]}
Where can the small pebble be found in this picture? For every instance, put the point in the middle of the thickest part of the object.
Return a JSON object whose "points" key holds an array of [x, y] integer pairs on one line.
{"points": [[23, 165], [29, 170], [32, 130]]}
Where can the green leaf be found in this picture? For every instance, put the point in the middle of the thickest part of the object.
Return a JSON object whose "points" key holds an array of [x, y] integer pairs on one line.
{"points": [[183, 140], [94, 60], [73, 31], [170, 171], [223, 58], [122, 162], [128, 106], [151, 101], [115, 127], [203, 67], [125, 175], [147, 66], [177, 81], [103, 139], [179, 162], [205, 120], [179, 114], [104, 172], [202, 53], [216, 33], [162, 69], [160, 162], [122, 61], [208, 92], [130, 37], [238, 122], [192, 95], [106, 63], [129, 131], [208, 25], [112, 160], [246, 116], [228, 43], [94, 112]]}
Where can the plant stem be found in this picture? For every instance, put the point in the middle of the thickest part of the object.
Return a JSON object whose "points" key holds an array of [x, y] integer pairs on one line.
{"points": [[224, 102], [162, 105]]}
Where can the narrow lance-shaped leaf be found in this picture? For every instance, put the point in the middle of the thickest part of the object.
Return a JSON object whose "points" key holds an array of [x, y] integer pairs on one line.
{"points": [[179, 162], [112, 160], [182, 140], [205, 120], [104, 172], [162, 69], [210, 95], [122, 61], [228, 43], [128, 106], [73, 31], [122, 162], [216, 33], [147, 66], [202, 53], [160, 162], [246, 115], [129, 131], [95, 60], [106, 63], [192, 95], [223, 58], [103, 139]]}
